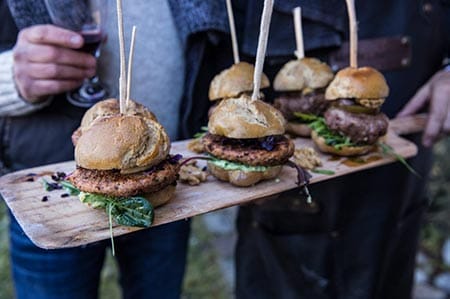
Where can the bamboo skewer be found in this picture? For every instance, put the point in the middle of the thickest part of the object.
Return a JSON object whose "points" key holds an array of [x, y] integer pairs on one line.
{"points": [[234, 42], [353, 33], [122, 77], [300, 51], [130, 66], [262, 46]]}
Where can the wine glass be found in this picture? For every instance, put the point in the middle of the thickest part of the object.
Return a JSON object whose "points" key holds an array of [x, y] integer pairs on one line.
{"points": [[86, 17]]}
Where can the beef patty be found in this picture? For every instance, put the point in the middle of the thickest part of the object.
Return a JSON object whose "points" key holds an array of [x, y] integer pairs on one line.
{"points": [[268, 151], [360, 128], [311, 103], [113, 183]]}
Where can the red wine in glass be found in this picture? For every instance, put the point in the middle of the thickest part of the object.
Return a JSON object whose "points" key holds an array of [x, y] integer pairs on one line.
{"points": [[92, 41], [92, 90]]}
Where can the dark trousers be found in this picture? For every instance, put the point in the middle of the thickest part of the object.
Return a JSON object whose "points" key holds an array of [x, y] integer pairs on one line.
{"points": [[151, 263], [361, 244]]}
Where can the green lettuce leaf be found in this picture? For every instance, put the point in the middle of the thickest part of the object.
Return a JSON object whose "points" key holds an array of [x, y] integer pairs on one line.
{"points": [[336, 140], [388, 150], [71, 189], [203, 131], [306, 118], [229, 165], [323, 171], [129, 211]]}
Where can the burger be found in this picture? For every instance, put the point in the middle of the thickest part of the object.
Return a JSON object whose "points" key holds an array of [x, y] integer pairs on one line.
{"points": [[121, 158], [353, 124], [234, 81], [245, 141], [301, 84]]}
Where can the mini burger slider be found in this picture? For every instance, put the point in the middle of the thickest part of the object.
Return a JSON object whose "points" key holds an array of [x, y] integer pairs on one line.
{"points": [[353, 124], [302, 84], [246, 141], [125, 156]]}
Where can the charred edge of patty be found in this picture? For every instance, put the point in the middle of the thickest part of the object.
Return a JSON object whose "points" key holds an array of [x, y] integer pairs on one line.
{"points": [[363, 129], [113, 183], [310, 103], [269, 151]]}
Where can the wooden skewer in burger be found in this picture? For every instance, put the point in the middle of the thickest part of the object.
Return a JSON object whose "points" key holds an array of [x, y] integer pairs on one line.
{"points": [[302, 84], [245, 138], [353, 124], [122, 155], [237, 79]]}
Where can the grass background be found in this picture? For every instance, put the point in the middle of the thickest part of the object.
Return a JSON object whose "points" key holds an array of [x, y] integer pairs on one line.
{"points": [[203, 278]]}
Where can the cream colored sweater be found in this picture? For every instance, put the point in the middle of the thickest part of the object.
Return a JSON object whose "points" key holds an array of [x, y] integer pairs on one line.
{"points": [[11, 104]]}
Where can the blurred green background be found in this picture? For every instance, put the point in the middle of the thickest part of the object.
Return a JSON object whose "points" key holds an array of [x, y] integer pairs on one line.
{"points": [[204, 279]]}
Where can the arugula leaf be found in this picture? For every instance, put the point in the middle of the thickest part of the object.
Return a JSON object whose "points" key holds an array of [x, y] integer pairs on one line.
{"points": [[306, 118], [129, 211], [323, 171], [69, 187], [336, 140], [133, 211], [388, 150], [48, 186], [203, 131], [111, 235], [229, 165]]}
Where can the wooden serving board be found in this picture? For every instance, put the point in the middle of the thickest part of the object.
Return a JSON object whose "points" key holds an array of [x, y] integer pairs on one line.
{"points": [[62, 222]]}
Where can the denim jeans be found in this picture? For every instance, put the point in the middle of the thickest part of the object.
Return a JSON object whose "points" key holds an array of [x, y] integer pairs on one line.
{"points": [[151, 263]]}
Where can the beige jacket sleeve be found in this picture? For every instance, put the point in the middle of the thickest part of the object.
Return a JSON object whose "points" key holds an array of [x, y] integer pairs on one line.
{"points": [[11, 104]]}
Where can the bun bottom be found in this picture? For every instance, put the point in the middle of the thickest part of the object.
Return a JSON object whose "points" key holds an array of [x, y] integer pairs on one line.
{"points": [[298, 129], [345, 151], [243, 178], [160, 197]]}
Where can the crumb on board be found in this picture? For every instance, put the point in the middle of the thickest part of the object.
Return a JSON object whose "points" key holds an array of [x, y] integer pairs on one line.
{"points": [[306, 157], [192, 174], [196, 146]]}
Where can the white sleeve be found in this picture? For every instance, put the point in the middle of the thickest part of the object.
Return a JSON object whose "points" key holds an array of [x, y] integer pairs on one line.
{"points": [[11, 104]]}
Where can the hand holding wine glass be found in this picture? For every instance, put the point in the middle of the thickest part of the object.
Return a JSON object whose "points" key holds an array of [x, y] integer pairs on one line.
{"points": [[87, 18], [47, 62]]}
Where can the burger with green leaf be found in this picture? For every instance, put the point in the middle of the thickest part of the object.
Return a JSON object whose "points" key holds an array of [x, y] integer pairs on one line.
{"points": [[353, 124]]}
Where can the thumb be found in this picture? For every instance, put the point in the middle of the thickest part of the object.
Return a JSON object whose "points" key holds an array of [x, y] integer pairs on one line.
{"points": [[417, 102]]}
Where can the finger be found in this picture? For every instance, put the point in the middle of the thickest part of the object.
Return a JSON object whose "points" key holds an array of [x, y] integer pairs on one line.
{"points": [[52, 35], [436, 118], [57, 71], [417, 102], [50, 87], [446, 126], [51, 54], [34, 90]]}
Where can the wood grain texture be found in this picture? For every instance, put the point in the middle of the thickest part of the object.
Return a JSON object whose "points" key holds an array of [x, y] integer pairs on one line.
{"points": [[65, 222]]}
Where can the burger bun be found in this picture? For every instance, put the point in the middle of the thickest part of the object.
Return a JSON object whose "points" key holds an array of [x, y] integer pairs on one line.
{"points": [[123, 142], [359, 83], [346, 151], [303, 73], [243, 178], [109, 107], [245, 118], [160, 197], [112, 107], [233, 81]]}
